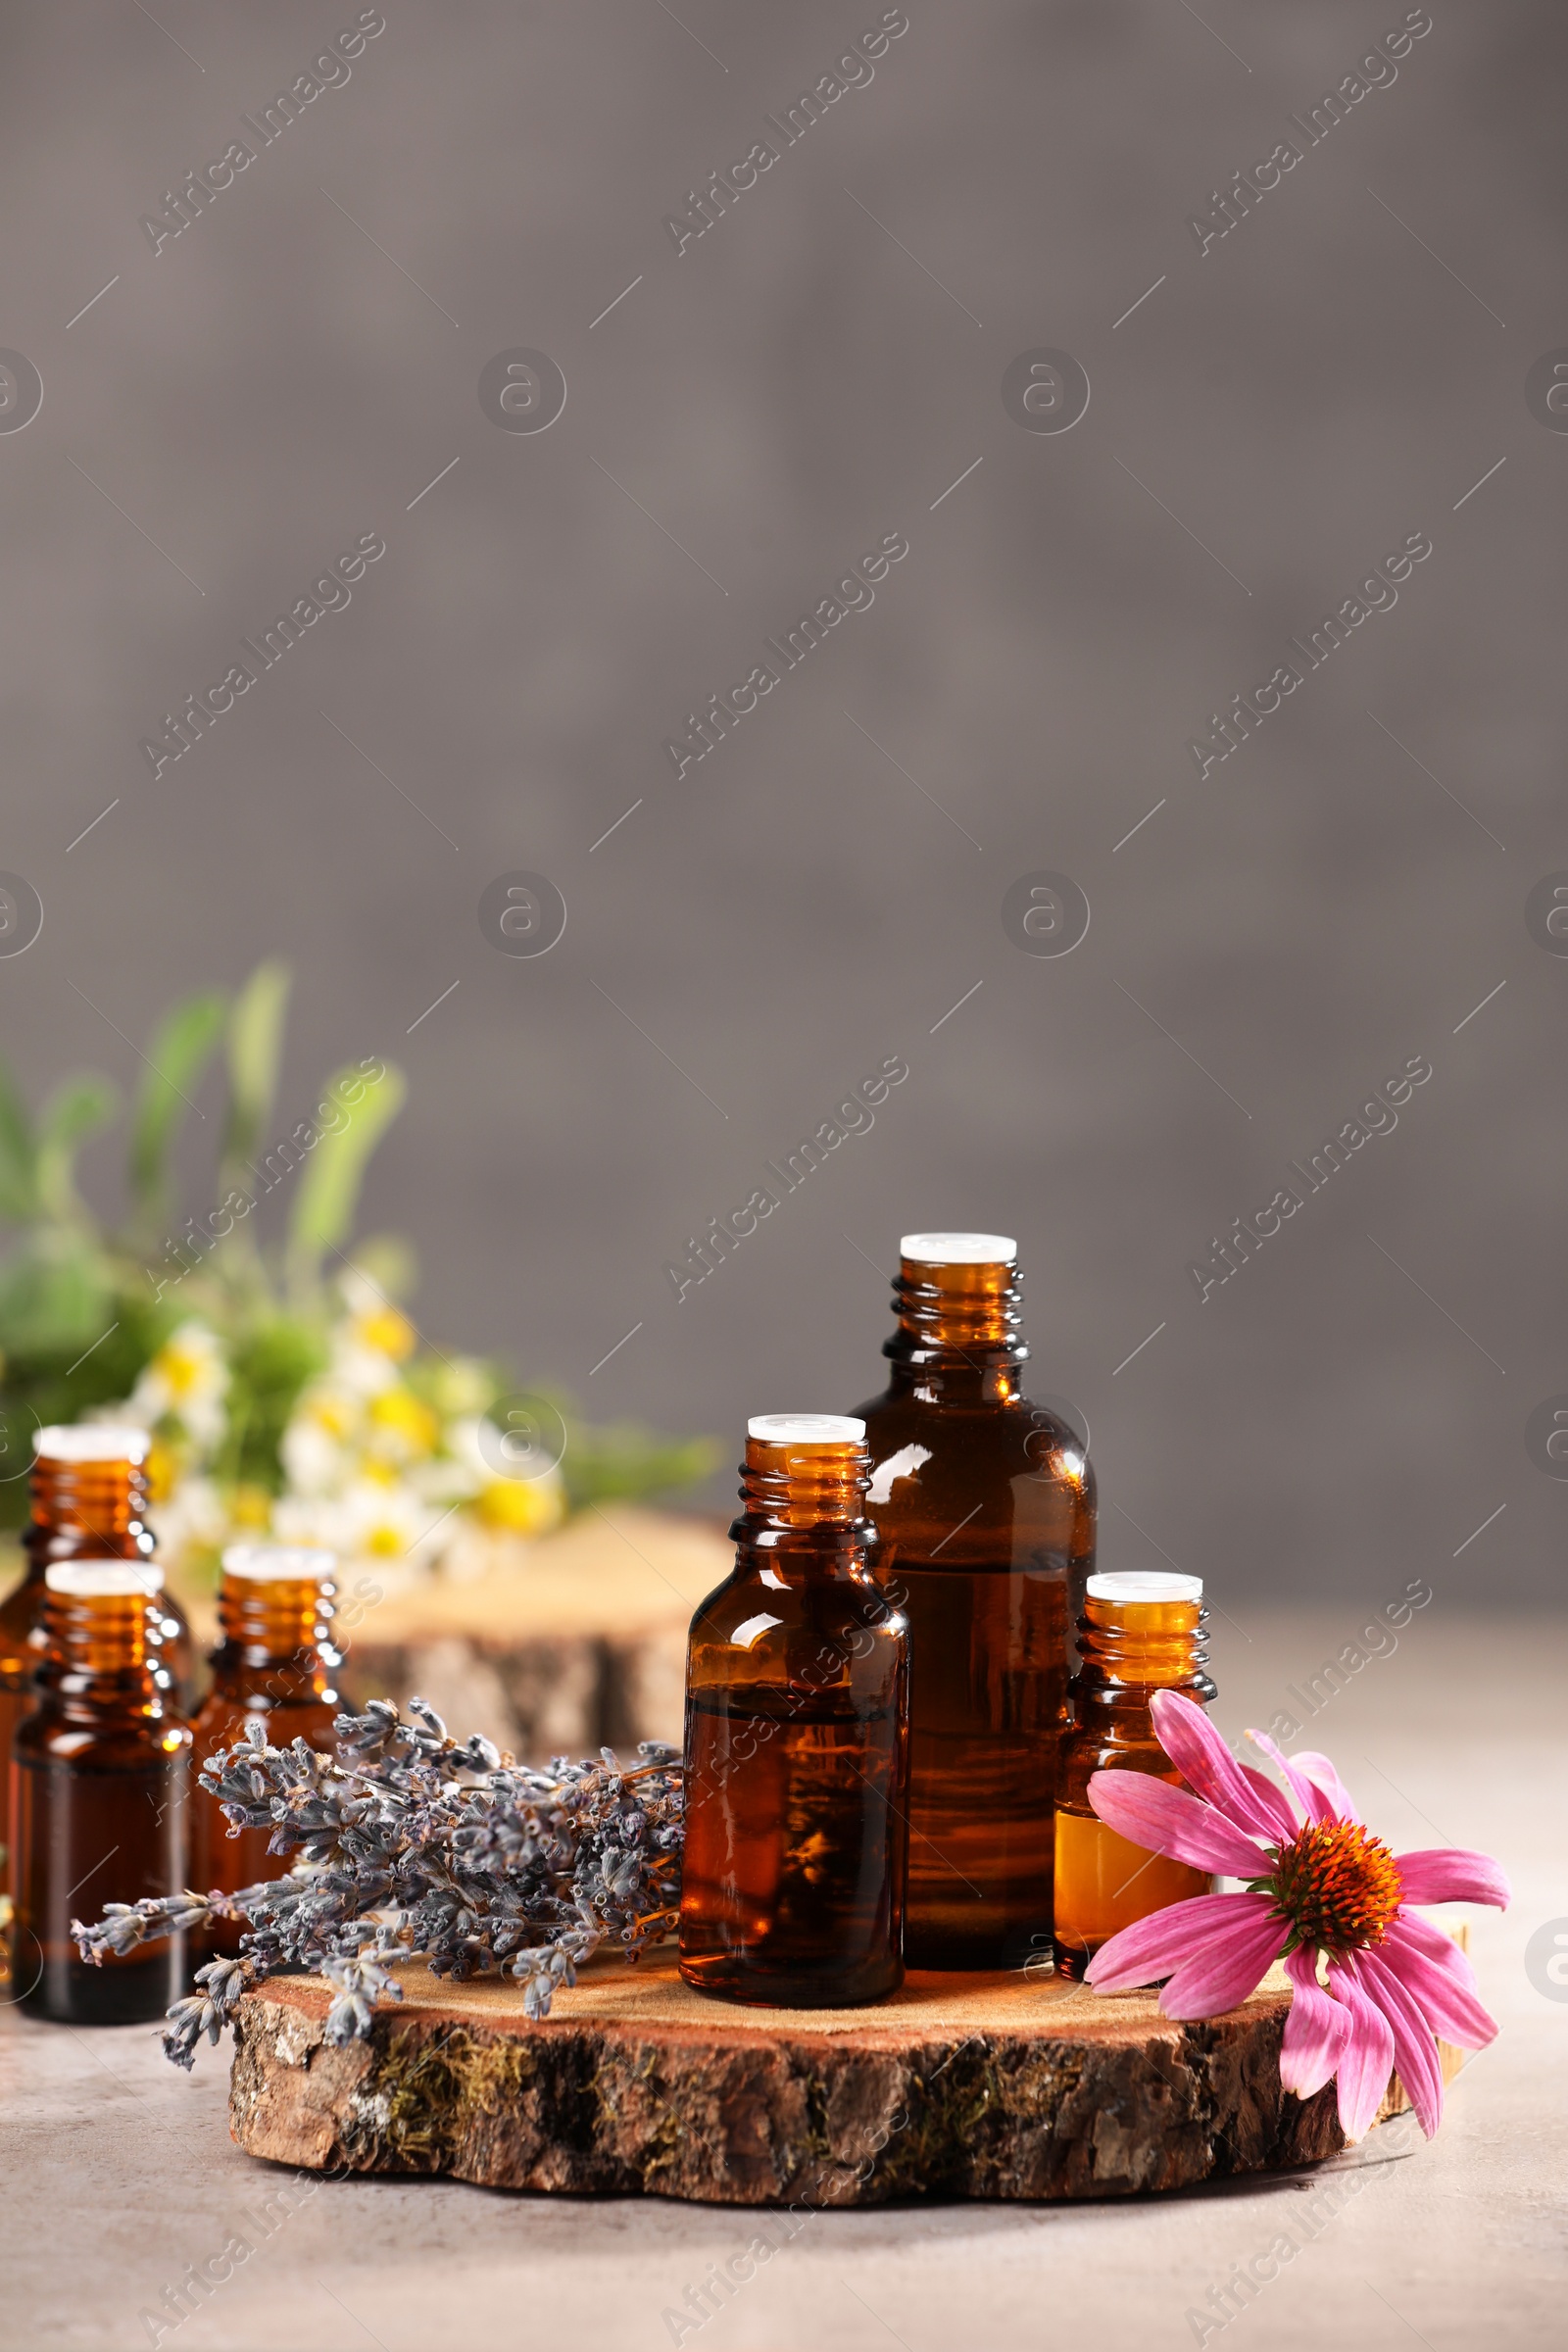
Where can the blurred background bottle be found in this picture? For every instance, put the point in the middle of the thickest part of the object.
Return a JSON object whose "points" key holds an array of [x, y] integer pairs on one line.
{"points": [[793, 1876], [1141, 1632], [100, 1778], [274, 1668], [985, 1507], [89, 1499]]}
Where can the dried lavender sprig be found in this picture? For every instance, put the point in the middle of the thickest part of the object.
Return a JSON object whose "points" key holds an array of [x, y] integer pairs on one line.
{"points": [[410, 1844], [207, 2011], [125, 1925]]}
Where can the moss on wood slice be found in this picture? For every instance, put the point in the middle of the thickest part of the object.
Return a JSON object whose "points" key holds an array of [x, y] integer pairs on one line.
{"points": [[994, 2086]]}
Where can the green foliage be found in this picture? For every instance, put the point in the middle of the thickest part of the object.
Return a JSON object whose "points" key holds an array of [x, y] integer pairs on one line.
{"points": [[623, 1459], [177, 1053], [55, 1298], [82, 1312], [255, 1056], [71, 1341], [18, 1192], [75, 1110], [330, 1188], [269, 1365]]}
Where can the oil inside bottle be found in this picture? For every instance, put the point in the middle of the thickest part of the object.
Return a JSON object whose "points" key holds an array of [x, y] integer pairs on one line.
{"points": [[793, 1874], [1139, 1632]]}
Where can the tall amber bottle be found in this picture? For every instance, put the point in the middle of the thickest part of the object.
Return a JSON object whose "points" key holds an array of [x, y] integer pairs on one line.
{"points": [[797, 1695], [985, 1505], [1141, 1630], [89, 1500], [98, 1790], [274, 1668]]}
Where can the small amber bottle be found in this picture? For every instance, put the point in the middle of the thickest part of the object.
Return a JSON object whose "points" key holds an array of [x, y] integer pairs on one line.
{"points": [[985, 1506], [797, 1697], [1141, 1632], [274, 1669], [99, 1780], [89, 1500]]}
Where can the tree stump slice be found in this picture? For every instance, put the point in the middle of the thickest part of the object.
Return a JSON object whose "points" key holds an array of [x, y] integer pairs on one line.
{"points": [[986, 2087], [565, 1646]]}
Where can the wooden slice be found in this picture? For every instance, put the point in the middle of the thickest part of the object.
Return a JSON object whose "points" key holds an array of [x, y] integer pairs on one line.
{"points": [[1004, 2085], [561, 1645], [552, 1647]]}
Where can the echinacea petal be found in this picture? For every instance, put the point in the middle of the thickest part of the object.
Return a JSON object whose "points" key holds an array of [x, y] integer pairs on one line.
{"points": [[1316, 2027], [1415, 2048], [1439, 1980], [1234, 1961], [1152, 1948], [1321, 1773], [1206, 1764], [1168, 1821], [1367, 2059], [1315, 1803], [1275, 1803], [1452, 1873]]}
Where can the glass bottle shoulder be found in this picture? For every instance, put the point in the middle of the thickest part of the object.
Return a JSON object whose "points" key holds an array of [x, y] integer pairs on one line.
{"points": [[968, 1475], [20, 1631], [1012, 1432], [100, 1740], [765, 1628], [260, 1682], [303, 1710]]}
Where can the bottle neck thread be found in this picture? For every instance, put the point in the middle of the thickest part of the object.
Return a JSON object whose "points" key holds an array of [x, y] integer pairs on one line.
{"points": [[1144, 1645], [102, 1637], [95, 1506], [271, 1619], [812, 1492], [959, 1325]]}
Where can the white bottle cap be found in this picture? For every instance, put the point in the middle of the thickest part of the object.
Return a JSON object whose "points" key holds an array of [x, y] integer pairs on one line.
{"points": [[1150, 1585], [806, 1429], [959, 1249], [279, 1563], [104, 1580], [93, 1442]]}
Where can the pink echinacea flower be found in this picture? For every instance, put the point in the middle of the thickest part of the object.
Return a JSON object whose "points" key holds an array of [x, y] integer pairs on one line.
{"points": [[1326, 1887]]}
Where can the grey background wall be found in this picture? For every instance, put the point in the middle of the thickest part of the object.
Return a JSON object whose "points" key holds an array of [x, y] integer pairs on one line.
{"points": [[821, 367]]}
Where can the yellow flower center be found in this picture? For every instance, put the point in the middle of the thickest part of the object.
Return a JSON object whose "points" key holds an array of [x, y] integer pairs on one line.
{"points": [[405, 1415], [332, 1414], [1338, 1886], [163, 1471], [386, 1331], [520, 1506]]}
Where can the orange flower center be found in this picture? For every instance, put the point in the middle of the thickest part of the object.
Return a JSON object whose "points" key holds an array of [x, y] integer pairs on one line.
{"points": [[1338, 1886]]}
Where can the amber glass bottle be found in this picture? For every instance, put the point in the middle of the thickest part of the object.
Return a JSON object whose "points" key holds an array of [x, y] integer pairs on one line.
{"points": [[1141, 1632], [985, 1505], [89, 1500], [276, 1668], [797, 1697], [99, 1781]]}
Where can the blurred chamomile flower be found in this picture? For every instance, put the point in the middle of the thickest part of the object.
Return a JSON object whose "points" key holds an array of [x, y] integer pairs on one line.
{"points": [[186, 1381]]}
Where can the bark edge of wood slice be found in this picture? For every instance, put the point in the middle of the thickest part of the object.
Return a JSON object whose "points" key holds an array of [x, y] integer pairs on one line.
{"points": [[1007, 2087]]}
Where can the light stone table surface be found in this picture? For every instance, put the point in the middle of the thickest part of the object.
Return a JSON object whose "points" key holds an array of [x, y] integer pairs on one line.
{"points": [[118, 2172]]}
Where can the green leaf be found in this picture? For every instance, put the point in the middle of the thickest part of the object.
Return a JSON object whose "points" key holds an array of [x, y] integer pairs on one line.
{"points": [[360, 1105], [255, 1050], [55, 1301], [18, 1192], [75, 1110], [176, 1055], [623, 1460], [269, 1365]]}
